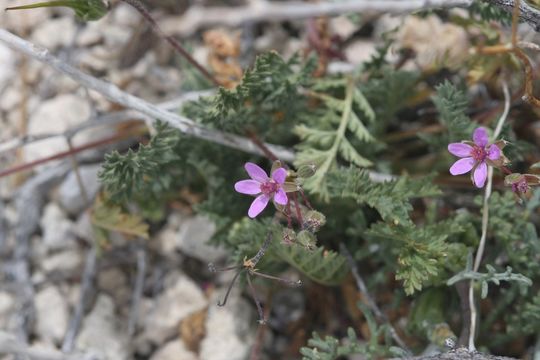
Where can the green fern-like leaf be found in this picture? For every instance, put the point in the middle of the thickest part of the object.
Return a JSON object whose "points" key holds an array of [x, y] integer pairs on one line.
{"points": [[390, 199], [323, 143], [422, 251], [323, 266]]}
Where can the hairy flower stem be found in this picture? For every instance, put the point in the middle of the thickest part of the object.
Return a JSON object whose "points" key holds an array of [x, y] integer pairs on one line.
{"points": [[171, 40], [256, 299], [298, 210], [485, 221]]}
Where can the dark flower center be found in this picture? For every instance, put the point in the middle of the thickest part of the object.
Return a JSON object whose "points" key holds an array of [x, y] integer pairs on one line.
{"points": [[478, 153], [269, 187]]}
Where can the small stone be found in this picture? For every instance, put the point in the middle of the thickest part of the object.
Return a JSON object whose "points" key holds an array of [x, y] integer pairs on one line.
{"points": [[57, 228], [55, 116], [69, 192], [67, 261], [52, 315], [343, 26], [7, 309], [7, 65], [193, 236], [229, 334], [114, 282], [55, 33], [174, 350], [360, 51], [101, 333], [182, 298]]}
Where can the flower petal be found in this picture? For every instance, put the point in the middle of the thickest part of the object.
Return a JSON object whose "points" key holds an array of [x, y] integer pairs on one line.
{"points": [[258, 205], [459, 149], [480, 136], [249, 187], [462, 166], [255, 172], [279, 175], [494, 153], [281, 197], [480, 175]]}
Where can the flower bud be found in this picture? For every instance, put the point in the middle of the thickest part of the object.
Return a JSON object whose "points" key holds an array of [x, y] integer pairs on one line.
{"points": [[314, 220], [306, 171], [307, 239], [289, 236]]}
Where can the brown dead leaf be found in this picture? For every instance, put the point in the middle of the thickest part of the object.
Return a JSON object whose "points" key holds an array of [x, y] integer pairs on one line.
{"points": [[223, 56], [192, 329]]}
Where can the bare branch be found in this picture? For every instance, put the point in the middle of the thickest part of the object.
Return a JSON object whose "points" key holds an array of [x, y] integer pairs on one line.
{"points": [[527, 13], [113, 93], [198, 17]]}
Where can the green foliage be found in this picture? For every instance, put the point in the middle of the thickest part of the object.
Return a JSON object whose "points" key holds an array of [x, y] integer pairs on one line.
{"points": [[489, 12], [390, 198], [85, 10], [388, 93], [514, 234], [143, 175], [325, 137], [451, 103], [526, 319], [490, 276], [110, 217], [268, 98], [323, 266], [331, 348], [423, 252]]}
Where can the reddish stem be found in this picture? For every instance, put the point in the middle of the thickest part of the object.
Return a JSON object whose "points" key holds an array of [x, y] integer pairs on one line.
{"points": [[171, 40], [298, 212], [75, 150]]}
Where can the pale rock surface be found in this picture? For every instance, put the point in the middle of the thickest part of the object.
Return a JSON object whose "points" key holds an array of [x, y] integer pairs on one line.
{"points": [[69, 192], [343, 26], [192, 239], [229, 329], [67, 261], [55, 116], [52, 314], [435, 43], [101, 333], [54, 33], [114, 282], [360, 51], [7, 309], [181, 298], [57, 228], [7, 65], [174, 350]]}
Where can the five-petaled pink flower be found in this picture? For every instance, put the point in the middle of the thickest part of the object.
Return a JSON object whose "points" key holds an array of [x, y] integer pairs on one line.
{"points": [[263, 186], [475, 156]]}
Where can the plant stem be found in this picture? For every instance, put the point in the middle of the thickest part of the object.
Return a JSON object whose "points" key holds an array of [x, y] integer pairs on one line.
{"points": [[485, 221]]}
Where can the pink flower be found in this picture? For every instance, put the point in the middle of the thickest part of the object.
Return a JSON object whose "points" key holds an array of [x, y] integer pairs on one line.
{"points": [[475, 156], [266, 188]]}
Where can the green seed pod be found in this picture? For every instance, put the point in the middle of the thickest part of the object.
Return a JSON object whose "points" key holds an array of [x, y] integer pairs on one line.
{"points": [[314, 220], [85, 10], [289, 236], [307, 239], [306, 171]]}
